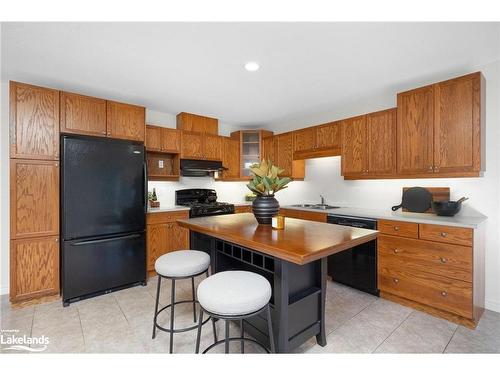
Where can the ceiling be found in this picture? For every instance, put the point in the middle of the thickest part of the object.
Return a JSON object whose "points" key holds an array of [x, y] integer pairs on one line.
{"points": [[198, 67]]}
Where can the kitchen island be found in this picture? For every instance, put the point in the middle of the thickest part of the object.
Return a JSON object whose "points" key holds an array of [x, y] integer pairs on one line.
{"points": [[293, 260]]}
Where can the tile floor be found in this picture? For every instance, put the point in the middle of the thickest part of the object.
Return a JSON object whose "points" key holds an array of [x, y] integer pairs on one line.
{"points": [[356, 323]]}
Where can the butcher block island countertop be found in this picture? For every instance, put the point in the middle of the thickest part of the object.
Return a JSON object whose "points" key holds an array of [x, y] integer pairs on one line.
{"points": [[301, 242]]}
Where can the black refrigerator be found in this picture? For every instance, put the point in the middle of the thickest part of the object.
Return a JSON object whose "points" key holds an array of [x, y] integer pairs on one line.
{"points": [[103, 214]]}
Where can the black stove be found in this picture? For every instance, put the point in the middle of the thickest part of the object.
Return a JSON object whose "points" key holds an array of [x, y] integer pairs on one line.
{"points": [[202, 202]]}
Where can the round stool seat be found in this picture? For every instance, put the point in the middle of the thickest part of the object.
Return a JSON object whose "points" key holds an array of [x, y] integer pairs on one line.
{"points": [[182, 263], [234, 293]]}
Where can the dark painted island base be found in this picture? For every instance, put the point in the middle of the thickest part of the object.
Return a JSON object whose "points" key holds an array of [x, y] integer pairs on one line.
{"points": [[298, 291]]}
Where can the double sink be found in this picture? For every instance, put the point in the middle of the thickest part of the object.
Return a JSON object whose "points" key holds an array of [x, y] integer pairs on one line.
{"points": [[315, 206]]}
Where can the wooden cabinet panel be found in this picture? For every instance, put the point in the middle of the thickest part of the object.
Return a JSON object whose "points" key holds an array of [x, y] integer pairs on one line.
{"points": [[34, 122], [125, 121], [305, 139], [284, 153], [354, 145], [212, 147], [452, 261], [305, 215], [457, 124], [34, 198], [230, 158], [442, 233], [178, 237], [166, 216], [192, 145], [196, 123], [34, 268], [381, 127], [398, 228], [154, 138], [242, 209], [450, 295], [171, 140], [415, 131], [82, 114], [329, 136], [156, 243], [269, 146]]}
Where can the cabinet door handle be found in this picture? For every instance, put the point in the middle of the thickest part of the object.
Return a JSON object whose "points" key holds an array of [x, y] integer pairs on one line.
{"points": [[444, 294], [443, 260], [436, 169], [443, 234], [396, 280], [396, 251], [396, 228], [109, 133], [431, 168]]}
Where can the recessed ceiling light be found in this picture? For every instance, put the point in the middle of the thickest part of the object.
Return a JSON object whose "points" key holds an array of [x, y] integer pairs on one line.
{"points": [[252, 66]]}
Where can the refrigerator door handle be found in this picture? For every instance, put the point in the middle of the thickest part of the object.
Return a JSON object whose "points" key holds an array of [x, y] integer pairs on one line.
{"points": [[145, 186], [82, 243]]}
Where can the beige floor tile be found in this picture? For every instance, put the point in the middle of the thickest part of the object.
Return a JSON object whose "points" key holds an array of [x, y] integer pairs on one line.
{"points": [[420, 333]]}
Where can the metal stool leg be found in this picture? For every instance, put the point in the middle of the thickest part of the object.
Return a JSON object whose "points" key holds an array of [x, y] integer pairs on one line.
{"points": [[215, 329], [156, 306], [172, 301], [226, 343], [242, 335], [194, 299], [270, 327], [198, 335]]}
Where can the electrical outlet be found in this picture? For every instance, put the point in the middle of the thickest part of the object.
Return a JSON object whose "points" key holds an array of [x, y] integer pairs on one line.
{"points": [[160, 164]]}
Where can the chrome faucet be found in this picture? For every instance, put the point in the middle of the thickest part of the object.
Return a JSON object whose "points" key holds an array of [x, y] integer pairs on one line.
{"points": [[322, 200]]}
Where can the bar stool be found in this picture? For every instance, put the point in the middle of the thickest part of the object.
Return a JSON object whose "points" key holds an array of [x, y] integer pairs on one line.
{"points": [[179, 265], [234, 295]]}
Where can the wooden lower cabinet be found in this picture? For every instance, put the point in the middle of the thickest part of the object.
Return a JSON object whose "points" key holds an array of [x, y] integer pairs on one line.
{"points": [[34, 268], [442, 278], [305, 215], [163, 235]]}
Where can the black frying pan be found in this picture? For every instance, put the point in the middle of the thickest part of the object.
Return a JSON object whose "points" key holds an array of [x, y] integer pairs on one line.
{"points": [[415, 199]]}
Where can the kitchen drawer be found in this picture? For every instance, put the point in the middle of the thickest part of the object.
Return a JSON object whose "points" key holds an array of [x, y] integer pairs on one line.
{"points": [[398, 228], [437, 291], [441, 233], [305, 215], [452, 261], [165, 217]]}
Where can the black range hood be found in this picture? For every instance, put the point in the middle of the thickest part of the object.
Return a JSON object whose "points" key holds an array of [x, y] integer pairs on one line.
{"points": [[200, 168]]}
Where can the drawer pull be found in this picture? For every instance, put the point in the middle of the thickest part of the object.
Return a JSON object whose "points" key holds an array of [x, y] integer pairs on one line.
{"points": [[396, 228], [396, 251], [443, 260], [396, 280], [444, 294], [443, 234]]}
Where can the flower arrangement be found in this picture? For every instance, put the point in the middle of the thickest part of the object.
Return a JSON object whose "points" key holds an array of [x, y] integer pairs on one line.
{"points": [[266, 180]]}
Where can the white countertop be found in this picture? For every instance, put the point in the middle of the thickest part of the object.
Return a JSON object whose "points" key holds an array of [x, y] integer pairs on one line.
{"points": [[167, 209], [455, 221]]}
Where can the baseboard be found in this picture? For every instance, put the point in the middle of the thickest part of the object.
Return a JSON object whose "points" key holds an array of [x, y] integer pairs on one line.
{"points": [[492, 305]]}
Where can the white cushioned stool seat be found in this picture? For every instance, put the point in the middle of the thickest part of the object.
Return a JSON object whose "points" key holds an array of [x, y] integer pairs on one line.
{"points": [[182, 263], [234, 293]]}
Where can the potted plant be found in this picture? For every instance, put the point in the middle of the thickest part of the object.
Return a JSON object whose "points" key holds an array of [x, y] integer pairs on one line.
{"points": [[265, 183], [153, 199]]}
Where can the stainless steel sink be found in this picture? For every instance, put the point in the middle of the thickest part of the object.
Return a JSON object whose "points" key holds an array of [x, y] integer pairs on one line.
{"points": [[315, 206]]}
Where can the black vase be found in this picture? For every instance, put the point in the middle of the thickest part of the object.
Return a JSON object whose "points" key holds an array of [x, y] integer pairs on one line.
{"points": [[264, 208]]}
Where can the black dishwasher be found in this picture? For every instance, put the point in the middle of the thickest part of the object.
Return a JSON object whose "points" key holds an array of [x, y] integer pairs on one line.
{"points": [[357, 266]]}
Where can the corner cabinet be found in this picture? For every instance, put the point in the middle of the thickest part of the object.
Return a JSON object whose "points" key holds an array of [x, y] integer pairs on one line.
{"points": [[439, 129]]}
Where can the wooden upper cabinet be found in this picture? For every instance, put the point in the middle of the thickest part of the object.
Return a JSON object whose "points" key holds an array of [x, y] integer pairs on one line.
{"points": [[457, 128], [192, 145], [34, 198], [354, 146], [212, 147], [415, 131], [381, 138], [160, 139], [34, 122], [34, 268], [196, 123], [329, 136], [82, 114], [305, 139], [284, 157], [230, 158], [269, 146], [125, 121]]}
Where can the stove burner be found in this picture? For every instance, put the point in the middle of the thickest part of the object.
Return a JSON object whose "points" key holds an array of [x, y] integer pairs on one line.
{"points": [[202, 202]]}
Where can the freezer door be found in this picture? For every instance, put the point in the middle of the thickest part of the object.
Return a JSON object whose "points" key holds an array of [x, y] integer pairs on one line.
{"points": [[103, 187], [99, 264]]}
